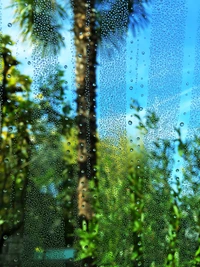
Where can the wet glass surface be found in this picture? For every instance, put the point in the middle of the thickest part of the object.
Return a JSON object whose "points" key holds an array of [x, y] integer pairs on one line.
{"points": [[99, 125]]}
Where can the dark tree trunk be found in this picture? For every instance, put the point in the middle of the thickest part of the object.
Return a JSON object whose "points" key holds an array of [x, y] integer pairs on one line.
{"points": [[85, 43], [85, 40]]}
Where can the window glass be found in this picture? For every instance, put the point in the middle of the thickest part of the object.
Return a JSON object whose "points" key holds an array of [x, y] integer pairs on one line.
{"points": [[99, 133]]}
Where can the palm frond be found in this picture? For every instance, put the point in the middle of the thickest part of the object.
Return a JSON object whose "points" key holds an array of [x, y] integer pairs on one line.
{"points": [[138, 18], [111, 20], [40, 22]]}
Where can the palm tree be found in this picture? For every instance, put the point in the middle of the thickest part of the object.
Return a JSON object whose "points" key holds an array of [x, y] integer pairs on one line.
{"points": [[88, 18]]}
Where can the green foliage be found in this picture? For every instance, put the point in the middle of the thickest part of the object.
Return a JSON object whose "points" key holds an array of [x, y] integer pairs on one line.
{"points": [[15, 138], [112, 211], [88, 245], [142, 213], [27, 155]]}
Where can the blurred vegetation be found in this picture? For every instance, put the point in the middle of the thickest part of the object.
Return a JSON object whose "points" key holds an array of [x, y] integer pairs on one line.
{"points": [[145, 215], [26, 121], [141, 217]]}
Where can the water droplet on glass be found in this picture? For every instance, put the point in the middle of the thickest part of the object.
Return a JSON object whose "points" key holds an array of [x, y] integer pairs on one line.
{"points": [[130, 122], [143, 53], [29, 63], [80, 56], [131, 87], [9, 75], [65, 66], [182, 124], [9, 24], [5, 237]]}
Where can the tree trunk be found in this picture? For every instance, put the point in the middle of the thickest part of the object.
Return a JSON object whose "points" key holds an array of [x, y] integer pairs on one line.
{"points": [[85, 43]]}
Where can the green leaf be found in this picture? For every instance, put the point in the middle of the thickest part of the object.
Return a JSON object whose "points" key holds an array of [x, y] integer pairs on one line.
{"points": [[134, 255], [180, 149], [84, 225], [197, 259], [170, 257], [197, 252], [137, 116], [136, 226], [176, 210]]}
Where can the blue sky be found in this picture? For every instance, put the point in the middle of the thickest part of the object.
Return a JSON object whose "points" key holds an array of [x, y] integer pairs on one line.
{"points": [[150, 80], [143, 65], [137, 55]]}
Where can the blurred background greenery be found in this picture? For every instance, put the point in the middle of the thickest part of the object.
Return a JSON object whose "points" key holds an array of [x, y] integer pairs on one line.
{"points": [[122, 209]]}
